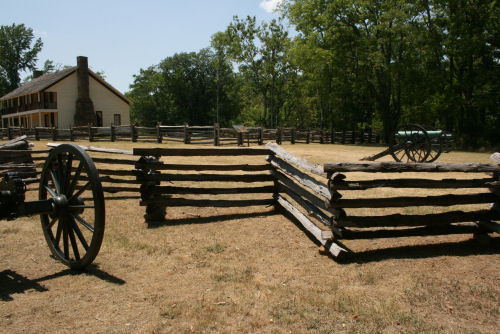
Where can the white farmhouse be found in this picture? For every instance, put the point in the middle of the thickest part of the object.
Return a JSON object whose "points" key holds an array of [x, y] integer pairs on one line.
{"points": [[71, 97]]}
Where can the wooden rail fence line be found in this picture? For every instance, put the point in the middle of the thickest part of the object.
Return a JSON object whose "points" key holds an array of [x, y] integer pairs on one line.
{"points": [[322, 199], [187, 134]]}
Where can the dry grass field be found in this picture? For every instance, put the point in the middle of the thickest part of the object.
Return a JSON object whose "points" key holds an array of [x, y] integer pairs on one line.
{"points": [[247, 270]]}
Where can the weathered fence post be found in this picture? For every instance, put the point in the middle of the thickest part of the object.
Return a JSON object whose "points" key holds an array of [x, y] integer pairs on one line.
{"points": [[239, 135], [112, 133], [361, 136], [154, 212], [370, 134], [259, 134], [216, 134], [71, 134], [353, 137], [91, 135], [343, 136], [9, 132], [332, 133], [54, 133], [187, 140], [134, 132], [321, 136], [279, 134], [292, 135], [37, 134], [159, 138], [308, 136]]}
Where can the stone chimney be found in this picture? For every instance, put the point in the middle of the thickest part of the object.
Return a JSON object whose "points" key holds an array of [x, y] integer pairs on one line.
{"points": [[84, 113], [37, 74]]}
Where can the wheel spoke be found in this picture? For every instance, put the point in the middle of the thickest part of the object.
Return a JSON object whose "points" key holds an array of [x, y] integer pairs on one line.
{"points": [[79, 192], [60, 172], [79, 234], [52, 222], [69, 167], [55, 181], [50, 190], [58, 234], [71, 187], [73, 241], [65, 239], [83, 222]]}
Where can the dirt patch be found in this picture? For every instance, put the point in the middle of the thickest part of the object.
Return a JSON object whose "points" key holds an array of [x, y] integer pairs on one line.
{"points": [[247, 270]]}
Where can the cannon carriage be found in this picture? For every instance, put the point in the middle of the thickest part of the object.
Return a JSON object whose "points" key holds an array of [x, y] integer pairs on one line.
{"points": [[416, 143], [70, 204]]}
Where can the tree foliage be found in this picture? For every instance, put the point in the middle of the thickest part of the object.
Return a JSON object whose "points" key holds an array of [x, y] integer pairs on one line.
{"points": [[183, 88], [351, 64], [18, 52]]}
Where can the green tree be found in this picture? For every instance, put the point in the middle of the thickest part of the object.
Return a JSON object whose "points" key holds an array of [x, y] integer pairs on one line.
{"points": [[261, 54], [18, 52], [183, 88]]}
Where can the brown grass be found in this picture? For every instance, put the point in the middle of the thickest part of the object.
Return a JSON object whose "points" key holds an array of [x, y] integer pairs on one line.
{"points": [[247, 270]]}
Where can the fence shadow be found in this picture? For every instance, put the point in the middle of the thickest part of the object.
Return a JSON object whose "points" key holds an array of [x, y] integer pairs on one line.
{"points": [[11, 282], [210, 219], [461, 248]]}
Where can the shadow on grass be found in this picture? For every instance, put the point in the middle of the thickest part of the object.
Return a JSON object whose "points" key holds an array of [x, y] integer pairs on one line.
{"points": [[210, 219], [462, 248], [12, 282]]}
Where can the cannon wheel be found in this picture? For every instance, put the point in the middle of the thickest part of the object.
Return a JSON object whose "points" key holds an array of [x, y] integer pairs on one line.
{"points": [[437, 146], [75, 228], [414, 146]]}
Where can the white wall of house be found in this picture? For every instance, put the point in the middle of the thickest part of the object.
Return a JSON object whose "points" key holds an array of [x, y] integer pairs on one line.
{"points": [[103, 99], [67, 93], [109, 103]]}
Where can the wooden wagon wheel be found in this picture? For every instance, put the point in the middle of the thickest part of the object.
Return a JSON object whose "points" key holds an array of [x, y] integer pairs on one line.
{"points": [[436, 144], [410, 143], [75, 228]]}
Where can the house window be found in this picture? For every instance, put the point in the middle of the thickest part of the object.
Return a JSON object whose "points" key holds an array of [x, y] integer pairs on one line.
{"points": [[117, 119], [98, 116]]}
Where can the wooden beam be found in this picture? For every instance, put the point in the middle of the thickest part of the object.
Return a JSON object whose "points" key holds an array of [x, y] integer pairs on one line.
{"points": [[349, 234], [419, 220], [200, 151], [198, 167], [412, 183], [302, 178], [297, 161], [98, 149], [114, 161], [405, 201], [398, 167], [334, 249]]}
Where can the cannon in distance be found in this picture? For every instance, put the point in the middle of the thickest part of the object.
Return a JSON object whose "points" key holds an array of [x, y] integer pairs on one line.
{"points": [[70, 204], [414, 143]]}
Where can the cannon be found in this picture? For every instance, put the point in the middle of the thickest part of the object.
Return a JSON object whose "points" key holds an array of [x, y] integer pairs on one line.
{"points": [[415, 143], [70, 204]]}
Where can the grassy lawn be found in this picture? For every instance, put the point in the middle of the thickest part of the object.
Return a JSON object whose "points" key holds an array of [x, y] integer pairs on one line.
{"points": [[233, 270]]}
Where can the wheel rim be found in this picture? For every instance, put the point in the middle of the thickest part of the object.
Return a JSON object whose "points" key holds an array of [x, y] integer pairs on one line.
{"points": [[75, 228], [410, 144]]}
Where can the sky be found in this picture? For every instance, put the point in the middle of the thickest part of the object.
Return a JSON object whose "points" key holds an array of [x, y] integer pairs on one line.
{"points": [[121, 37]]}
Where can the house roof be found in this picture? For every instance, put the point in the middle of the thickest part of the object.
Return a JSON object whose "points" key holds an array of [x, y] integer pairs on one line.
{"points": [[47, 80]]}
